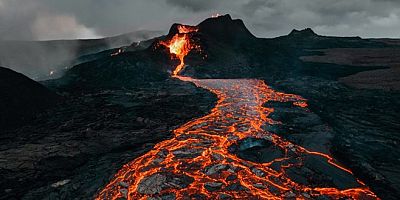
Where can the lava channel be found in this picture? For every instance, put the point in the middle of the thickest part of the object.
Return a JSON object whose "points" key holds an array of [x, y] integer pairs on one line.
{"points": [[197, 161]]}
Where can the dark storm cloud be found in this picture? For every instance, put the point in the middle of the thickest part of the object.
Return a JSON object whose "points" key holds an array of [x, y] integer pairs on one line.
{"points": [[49, 19], [194, 5], [367, 18]]}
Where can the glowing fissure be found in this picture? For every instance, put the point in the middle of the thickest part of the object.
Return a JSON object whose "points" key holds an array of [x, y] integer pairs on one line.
{"points": [[198, 153]]}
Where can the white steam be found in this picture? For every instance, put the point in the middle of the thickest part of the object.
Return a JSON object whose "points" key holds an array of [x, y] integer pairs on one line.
{"points": [[51, 27]]}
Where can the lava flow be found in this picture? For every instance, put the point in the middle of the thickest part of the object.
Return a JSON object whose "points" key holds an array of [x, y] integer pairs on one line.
{"points": [[180, 45], [198, 162]]}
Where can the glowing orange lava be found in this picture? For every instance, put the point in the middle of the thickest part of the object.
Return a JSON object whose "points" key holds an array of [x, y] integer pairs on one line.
{"points": [[199, 151], [187, 29], [180, 45], [197, 160]]}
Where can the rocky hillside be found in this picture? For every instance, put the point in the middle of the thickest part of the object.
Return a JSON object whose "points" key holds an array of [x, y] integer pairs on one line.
{"points": [[21, 98], [42, 60]]}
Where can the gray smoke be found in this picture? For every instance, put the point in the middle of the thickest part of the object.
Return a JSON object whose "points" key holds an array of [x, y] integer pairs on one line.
{"points": [[37, 60], [49, 20], [41, 60]]}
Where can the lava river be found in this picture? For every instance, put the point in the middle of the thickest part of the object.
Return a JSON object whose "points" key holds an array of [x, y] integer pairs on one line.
{"points": [[197, 163]]}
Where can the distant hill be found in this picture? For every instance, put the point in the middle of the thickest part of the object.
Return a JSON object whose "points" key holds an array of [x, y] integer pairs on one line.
{"points": [[37, 59], [21, 98], [128, 69]]}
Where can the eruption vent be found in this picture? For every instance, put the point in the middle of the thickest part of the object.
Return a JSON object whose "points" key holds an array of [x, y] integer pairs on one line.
{"points": [[180, 45]]}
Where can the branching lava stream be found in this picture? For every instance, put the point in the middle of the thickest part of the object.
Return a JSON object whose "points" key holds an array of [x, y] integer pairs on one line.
{"points": [[197, 163]]}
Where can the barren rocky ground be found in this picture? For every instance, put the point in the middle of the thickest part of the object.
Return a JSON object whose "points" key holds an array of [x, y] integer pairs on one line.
{"points": [[70, 151], [386, 79]]}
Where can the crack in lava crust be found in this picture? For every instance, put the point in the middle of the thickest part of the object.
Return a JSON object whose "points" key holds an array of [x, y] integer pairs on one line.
{"points": [[197, 160]]}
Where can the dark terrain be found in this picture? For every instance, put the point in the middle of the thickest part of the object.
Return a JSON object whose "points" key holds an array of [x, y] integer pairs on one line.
{"points": [[115, 108], [86, 138], [42, 60], [21, 98], [364, 123]]}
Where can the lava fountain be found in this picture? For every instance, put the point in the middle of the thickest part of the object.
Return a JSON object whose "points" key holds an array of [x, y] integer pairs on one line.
{"points": [[197, 163], [180, 45]]}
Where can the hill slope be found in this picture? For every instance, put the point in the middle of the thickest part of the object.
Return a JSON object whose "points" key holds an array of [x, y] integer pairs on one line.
{"points": [[36, 59], [21, 98]]}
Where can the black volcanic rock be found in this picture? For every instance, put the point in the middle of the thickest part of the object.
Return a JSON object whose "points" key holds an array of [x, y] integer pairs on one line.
{"points": [[308, 32], [226, 45], [161, 181], [233, 52], [225, 28], [125, 70], [71, 151], [256, 150], [308, 39], [222, 28], [174, 29], [21, 98]]}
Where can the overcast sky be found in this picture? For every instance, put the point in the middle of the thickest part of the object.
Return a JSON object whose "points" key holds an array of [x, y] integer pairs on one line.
{"points": [[68, 19]]}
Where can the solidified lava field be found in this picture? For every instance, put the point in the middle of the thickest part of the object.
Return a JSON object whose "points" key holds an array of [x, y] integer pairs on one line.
{"points": [[201, 161]]}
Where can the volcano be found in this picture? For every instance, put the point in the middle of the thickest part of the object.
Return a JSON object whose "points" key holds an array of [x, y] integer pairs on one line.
{"points": [[209, 111]]}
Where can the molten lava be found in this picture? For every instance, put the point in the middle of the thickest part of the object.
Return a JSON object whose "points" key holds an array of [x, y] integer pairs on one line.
{"points": [[180, 45], [198, 157], [197, 164], [187, 29]]}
